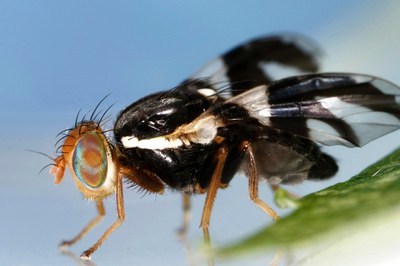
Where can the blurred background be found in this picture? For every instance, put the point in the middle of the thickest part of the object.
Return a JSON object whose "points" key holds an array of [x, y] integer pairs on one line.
{"points": [[57, 57]]}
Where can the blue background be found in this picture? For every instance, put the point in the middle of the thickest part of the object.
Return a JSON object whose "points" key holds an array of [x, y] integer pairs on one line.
{"points": [[57, 57]]}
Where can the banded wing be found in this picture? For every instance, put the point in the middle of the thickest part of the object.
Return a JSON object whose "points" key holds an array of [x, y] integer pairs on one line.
{"points": [[259, 61], [329, 108]]}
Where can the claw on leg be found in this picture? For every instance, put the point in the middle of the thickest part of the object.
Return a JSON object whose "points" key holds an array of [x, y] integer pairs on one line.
{"points": [[101, 213]]}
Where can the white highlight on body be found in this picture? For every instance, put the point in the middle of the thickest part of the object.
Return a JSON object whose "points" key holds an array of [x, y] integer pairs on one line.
{"points": [[204, 130], [201, 131], [207, 92]]}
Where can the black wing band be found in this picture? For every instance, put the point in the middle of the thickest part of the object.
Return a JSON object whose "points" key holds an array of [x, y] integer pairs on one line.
{"points": [[259, 61], [330, 108]]}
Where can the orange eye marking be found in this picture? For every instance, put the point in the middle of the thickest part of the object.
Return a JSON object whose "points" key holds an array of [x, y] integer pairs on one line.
{"points": [[89, 160], [85, 152]]}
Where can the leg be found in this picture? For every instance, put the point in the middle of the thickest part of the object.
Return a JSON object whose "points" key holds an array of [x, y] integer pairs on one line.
{"points": [[121, 216], [186, 214], [253, 182], [182, 230], [212, 192], [91, 224]]}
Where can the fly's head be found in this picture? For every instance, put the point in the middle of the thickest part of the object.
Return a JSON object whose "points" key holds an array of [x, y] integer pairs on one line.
{"points": [[90, 157], [91, 160]]}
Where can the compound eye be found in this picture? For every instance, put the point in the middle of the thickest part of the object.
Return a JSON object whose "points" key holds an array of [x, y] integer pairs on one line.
{"points": [[89, 160]]}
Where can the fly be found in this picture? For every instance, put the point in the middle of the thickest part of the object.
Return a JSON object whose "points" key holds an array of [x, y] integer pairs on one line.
{"points": [[235, 114]]}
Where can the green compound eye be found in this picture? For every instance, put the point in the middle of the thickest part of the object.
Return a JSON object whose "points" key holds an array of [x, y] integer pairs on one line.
{"points": [[90, 161]]}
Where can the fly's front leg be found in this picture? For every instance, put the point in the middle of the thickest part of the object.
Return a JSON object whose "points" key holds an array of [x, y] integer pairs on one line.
{"points": [[88, 227], [253, 182], [121, 216]]}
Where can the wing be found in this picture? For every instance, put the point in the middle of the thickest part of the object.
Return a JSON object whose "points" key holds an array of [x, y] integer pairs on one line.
{"points": [[329, 108], [259, 61]]}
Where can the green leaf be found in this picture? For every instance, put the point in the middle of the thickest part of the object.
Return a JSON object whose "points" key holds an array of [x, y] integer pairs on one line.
{"points": [[333, 212]]}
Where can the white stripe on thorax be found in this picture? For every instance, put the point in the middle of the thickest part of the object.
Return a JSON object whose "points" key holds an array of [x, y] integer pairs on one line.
{"points": [[157, 143], [200, 131]]}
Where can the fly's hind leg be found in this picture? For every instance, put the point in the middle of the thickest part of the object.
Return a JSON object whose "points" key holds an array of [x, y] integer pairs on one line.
{"points": [[88, 227], [186, 206], [253, 181]]}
